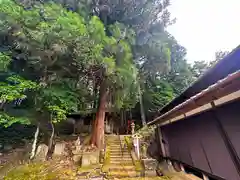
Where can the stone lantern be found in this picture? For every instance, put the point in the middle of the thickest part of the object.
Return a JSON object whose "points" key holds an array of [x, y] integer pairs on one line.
{"points": [[136, 144], [133, 127]]}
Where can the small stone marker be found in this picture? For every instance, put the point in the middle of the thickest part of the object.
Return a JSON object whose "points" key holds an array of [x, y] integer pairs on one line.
{"points": [[77, 158], [90, 158], [41, 152], [59, 149]]}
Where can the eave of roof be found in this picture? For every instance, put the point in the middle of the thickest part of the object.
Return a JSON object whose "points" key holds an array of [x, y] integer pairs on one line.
{"points": [[220, 89], [226, 66]]}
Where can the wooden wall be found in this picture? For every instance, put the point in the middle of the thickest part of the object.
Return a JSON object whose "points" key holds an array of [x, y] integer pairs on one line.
{"points": [[209, 141]]}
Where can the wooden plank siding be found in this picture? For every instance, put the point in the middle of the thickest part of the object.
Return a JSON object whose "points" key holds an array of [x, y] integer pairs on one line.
{"points": [[197, 141]]}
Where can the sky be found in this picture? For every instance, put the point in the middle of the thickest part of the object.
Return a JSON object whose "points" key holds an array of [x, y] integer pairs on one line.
{"points": [[206, 26]]}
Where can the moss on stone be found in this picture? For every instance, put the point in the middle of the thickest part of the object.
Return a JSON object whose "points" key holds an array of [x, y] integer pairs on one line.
{"points": [[107, 154], [86, 140], [129, 142], [138, 165]]}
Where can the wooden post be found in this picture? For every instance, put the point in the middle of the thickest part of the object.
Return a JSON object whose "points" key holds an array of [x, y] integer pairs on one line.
{"points": [[205, 177], [169, 162], [170, 166], [182, 167], [161, 143]]}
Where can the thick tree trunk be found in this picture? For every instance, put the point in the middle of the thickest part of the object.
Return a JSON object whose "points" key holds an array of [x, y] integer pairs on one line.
{"points": [[98, 128], [34, 146], [122, 118], [141, 106], [94, 125]]}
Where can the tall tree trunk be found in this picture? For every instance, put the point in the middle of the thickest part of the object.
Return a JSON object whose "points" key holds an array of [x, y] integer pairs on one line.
{"points": [[51, 144], [94, 125], [141, 106], [95, 94], [34, 146], [121, 117], [98, 128]]}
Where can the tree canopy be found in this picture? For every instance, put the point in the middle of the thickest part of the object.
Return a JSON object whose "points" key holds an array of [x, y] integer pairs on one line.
{"points": [[60, 57]]}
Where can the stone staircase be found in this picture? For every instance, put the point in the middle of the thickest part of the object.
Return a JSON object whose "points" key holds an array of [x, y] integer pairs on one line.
{"points": [[120, 163]]}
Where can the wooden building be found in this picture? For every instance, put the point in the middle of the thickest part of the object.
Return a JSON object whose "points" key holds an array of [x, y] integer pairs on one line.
{"points": [[200, 129]]}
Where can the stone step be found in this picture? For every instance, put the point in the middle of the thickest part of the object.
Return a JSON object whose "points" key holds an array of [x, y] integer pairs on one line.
{"points": [[126, 173], [112, 139], [120, 158], [119, 154], [119, 167], [121, 162], [113, 142], [111, 136], [115, 151], [150, 173], [124, 156], [119, 150], [114, 148]]}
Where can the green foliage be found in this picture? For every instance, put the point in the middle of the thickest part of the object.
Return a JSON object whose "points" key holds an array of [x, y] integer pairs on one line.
{"points": [[12, 90], [146, 131], [7, 120], [68, 57], [15, 88], [4, 62], [198, 68], [129, 142], [157, 93], [61, 53], [45, 41], [32, 171], [58, 100]]}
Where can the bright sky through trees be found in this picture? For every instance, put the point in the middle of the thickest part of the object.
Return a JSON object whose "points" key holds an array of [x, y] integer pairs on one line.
{"points": [[206, 26]]}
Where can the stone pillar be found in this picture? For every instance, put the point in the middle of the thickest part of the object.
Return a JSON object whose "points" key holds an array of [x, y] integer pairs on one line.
{"points": [[136, 145]]}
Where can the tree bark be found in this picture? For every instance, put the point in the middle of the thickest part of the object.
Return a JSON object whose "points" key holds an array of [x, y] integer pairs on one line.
{"points": [[34, 146], [51, 144], [141, 106], [98, 128], [94, 125]]}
